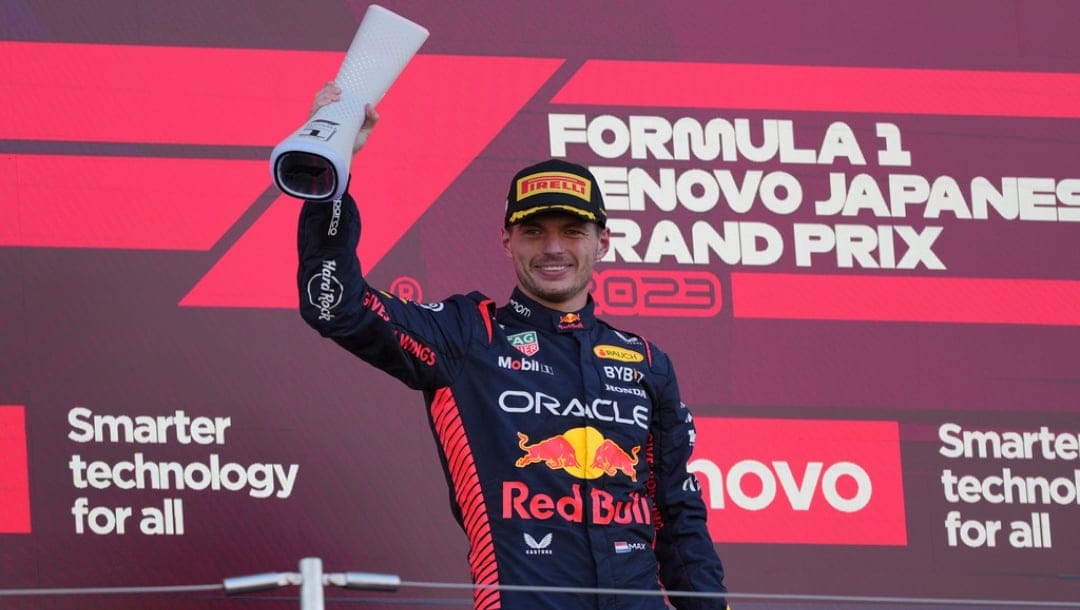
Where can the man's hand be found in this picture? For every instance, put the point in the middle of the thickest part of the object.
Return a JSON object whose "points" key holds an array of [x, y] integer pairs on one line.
{"points": [[331, 93]]}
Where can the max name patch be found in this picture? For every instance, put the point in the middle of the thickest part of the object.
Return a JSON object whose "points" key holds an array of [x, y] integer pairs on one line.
{"points": [[621, 354], [553, 182]]}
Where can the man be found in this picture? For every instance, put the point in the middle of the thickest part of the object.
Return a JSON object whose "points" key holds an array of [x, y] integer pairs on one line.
{"points": [[563, 440]]}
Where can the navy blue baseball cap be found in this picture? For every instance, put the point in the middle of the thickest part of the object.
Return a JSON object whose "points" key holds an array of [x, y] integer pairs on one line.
{"points": [[555, 186]]}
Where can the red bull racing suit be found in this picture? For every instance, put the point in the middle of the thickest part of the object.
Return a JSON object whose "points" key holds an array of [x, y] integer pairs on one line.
{"points": [[563, 440]]}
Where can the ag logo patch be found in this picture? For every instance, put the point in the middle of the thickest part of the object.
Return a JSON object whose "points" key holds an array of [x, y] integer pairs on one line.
{"points": [[526, 343]]}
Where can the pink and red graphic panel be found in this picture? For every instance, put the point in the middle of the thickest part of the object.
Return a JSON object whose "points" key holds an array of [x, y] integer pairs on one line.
{"points": [[14, 475]]}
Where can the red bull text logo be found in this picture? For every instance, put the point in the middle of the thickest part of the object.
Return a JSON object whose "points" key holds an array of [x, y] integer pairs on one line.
{"points": [[553, 182], [582, 452], [519, 501]]}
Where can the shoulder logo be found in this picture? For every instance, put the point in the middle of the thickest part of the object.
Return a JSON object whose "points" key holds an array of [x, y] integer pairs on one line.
{"points": [[526, 343], [612, 352]]}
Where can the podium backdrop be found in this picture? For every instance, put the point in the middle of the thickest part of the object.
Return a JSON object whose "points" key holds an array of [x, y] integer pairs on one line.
{"points": [[853, 225]]}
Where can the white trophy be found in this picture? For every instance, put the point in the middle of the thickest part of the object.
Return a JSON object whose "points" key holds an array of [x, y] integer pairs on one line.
{"points": [[313, 163]]}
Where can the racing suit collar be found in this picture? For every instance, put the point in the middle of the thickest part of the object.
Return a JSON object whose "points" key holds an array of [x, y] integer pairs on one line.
{"points": [[535, 314]]}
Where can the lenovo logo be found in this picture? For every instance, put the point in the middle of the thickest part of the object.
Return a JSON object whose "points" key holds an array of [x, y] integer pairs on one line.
{"points": [[801, 481]]}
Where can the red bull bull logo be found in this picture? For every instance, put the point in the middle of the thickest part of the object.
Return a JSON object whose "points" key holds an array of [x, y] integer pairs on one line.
{"points": [[570, 320], [555, 452], [610, 458], [582, 452]]}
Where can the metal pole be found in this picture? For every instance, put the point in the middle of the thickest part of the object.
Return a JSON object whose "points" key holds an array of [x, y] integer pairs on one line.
{"points": [[311, 585], [259, 582]]}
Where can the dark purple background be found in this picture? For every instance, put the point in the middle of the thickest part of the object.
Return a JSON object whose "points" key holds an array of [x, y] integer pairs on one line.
{"points": [[102, 329]]}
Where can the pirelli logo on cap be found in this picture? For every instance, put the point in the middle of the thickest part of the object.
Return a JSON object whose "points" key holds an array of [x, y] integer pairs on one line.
{"points": [[553, 182], [621, 354]]}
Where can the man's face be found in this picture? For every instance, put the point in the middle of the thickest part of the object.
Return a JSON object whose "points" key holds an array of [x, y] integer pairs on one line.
{"points": [[554, 256]]}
